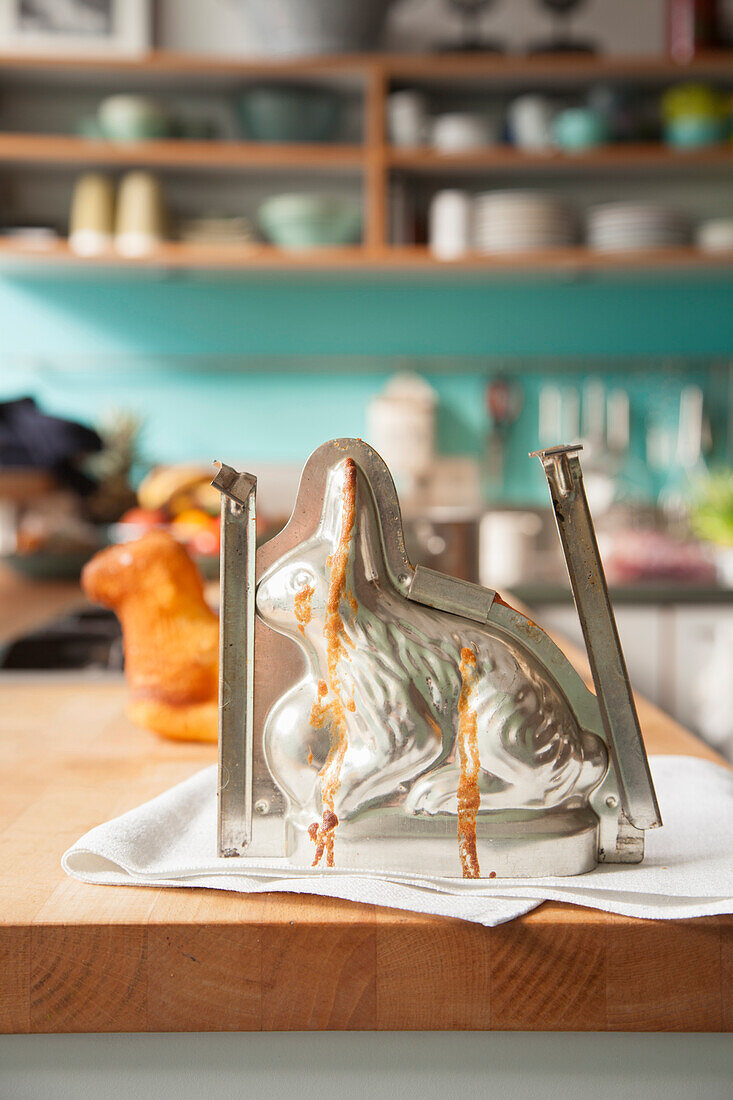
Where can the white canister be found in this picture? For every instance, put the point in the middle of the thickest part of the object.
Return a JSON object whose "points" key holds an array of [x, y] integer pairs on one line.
{"points": [[506, 547], [530, 123], [401, 428], [407, 119], [450, 224]]}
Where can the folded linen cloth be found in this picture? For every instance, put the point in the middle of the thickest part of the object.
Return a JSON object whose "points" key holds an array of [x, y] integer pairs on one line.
{"points": [[687, 870]]}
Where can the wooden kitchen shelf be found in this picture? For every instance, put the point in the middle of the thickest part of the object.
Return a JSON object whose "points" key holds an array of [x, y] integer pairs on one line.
{"points": [[492, 68], [244, 257], [558, 69], [615, 158], [77, 152], [373, 162]]}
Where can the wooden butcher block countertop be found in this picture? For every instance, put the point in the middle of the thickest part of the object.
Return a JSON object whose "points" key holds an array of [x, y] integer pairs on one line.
{"points": [[79, 958]]}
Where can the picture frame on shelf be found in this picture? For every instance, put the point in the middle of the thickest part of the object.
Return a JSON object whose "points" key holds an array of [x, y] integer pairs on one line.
{"points": [[95, 28]]}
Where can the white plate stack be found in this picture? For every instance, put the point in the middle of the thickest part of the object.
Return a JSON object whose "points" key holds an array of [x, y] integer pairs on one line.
{"points": [[635, 227], [521, 221]]}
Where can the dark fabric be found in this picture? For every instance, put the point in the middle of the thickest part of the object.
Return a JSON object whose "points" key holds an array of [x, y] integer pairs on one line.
{"points": [[30, 439]]}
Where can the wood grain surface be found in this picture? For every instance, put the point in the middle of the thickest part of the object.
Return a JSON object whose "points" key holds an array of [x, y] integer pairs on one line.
{"points": [[79, 958]]}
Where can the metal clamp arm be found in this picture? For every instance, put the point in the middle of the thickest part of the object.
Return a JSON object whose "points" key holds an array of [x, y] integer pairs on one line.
{"points": [[590, 592], [236, 658]]}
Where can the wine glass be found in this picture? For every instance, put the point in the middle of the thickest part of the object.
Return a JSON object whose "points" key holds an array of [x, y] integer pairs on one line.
{"points": [[471, 40], [562, 41]]}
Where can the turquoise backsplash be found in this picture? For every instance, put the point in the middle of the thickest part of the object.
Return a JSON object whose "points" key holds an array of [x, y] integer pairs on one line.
{"points": [[266, 368]]}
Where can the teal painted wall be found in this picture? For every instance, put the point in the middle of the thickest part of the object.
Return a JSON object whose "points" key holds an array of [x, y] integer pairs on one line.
{"points": [[83, 345], [449, 316]]}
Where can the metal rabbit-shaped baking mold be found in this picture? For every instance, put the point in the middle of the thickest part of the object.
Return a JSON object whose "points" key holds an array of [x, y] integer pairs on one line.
{"points": [[400, 720]]}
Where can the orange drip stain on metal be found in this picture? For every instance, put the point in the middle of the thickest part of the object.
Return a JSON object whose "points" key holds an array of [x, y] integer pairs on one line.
{"points": [[302, 603], [322, 834], [469, 797]]}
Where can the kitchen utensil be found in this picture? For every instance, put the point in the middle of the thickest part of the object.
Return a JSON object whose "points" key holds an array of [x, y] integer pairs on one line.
{"points": [[633, 226], [504, 400], [463, 131], [632, 483], [445, 539], [377, 715], [450, 224], [577, 129], [694, 116], [132, 118], [91, 221], [616, 105], [601, 465], [217, 229], [687, 468], [549, 426], [471, 39], [289, 112], [309, 221], [561, 41], [140, 224], [507, 547], [308, 28], [401, 425], [36, 238], [694, 132], [715, 235], [407, 118], [530, 123], [520, 221], [691, 26]]}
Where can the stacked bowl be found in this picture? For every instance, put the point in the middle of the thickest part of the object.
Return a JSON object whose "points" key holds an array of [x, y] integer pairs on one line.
{"points": [[635, 226], [521, 221]]}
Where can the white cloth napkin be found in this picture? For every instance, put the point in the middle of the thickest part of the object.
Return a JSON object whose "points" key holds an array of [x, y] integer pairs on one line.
{"points": [[687, 870]]}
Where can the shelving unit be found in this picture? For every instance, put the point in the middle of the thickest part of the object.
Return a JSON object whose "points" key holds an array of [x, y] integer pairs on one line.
{"points": [[612, 158], [77, 152], [372, 163], [177, 255]]}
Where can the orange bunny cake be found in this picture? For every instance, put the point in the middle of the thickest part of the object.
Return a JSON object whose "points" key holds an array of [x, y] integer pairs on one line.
{"points": [[171, 636]]}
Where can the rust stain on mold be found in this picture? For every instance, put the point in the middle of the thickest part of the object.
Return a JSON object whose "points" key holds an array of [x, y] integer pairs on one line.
{"points": [[469, 797], [303, 612], [322, 834]]}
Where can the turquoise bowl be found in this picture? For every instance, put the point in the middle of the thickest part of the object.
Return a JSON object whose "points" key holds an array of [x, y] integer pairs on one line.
{"points": [[579, 128], [310, 221], [694, 131], [289, 113]]}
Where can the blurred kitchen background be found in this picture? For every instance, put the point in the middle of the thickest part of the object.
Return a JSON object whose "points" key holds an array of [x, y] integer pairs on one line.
{"points": [[459, 229]]}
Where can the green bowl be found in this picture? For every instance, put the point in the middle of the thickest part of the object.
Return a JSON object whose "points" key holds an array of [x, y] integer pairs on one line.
{"points": [[310, 221], [288, 113]]}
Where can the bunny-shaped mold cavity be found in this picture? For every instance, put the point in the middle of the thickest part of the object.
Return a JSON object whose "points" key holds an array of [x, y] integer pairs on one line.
{"points": [[403, 706]]}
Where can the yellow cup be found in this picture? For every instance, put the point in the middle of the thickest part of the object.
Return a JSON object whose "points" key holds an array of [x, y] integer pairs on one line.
{"points": [[91, 221], [141, 217]]}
